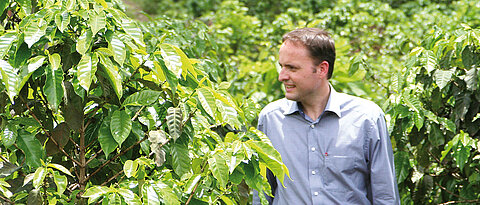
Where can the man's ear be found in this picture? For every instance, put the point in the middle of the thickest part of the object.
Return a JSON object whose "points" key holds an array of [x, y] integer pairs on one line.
{"points": [[322, 68]]}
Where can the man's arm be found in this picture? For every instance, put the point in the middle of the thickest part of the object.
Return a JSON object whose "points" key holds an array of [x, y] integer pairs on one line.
{"points": [[383, 187]]}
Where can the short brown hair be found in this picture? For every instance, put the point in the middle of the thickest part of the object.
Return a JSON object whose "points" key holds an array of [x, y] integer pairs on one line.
{"points": [[318, 42]]}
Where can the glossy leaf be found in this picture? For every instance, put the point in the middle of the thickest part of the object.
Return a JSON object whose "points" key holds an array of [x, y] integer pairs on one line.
{"points": [[133, 31], [33, 33], [270, 157], [53, 86], [39, 177], [106, 140], [207, 101], [166, 193], [84, 41], [174, 122], [120, 126], [6, 41], [192, 182], [219, 168], [149, 195], [9, 135], [86, 69], [97, 21], [119, 48], [442, 77], [62, 20], [144, 97], [129, 196], [112, 74], [60, 168], [61, 182], [9, 79], [94, 193], [130, 168], [32, 148]]}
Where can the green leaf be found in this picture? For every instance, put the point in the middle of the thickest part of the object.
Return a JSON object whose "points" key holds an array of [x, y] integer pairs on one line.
{"points": [[436, 136], [6, 42], [114, 199], [180, 159], [229, 114], [174, 122], [270, 157], [84, 41], [149, 195], [450, 125], [53, 86], [97, 21], [130, 168], [191, 183], [61, 182], [219, 168], [60, 168], [3, 6], [106, 140], [471, 79], [112, 74], [207, 100], [119, 50], [461, 155], [32, 148], [120, 126], [33, 33], [94, 193], [144, 97], [129, 196], [443, 77], [166, 193], [133, 31], [9, 79], [39, 177], [402, 166], [62, 20], [418, 118], [9, 135], [33, 64], [86, 69], [163, 73], [413, 103], [355, 63], [429, 60], [171, 59]]}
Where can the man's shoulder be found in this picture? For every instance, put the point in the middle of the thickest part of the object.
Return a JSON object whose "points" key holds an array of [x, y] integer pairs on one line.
{"points": [[358, 104], [278, 106]]}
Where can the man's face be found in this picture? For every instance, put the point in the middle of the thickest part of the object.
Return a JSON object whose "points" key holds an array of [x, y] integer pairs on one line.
{"points": [[300, 76]]}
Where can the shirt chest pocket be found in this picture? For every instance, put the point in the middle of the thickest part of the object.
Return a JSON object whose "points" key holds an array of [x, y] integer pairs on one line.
{"points": [[338, 172]]}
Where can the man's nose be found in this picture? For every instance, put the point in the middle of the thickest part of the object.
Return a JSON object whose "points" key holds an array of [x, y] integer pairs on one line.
{"points": [[282, 76]]}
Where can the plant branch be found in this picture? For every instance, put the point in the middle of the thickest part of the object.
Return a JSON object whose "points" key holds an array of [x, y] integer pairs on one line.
{"points": [[47, 133], [465, 201], [115, 157], [196, 185], [450, 192], [111, 178]]}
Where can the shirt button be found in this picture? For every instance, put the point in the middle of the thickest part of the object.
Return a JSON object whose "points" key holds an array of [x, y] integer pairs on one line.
{"points": [[313, 149], [315, 193], [312, 126], [313, 172]]}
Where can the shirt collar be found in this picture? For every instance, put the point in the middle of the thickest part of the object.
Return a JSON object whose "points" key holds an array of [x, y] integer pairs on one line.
{"points": [[333, 104]]}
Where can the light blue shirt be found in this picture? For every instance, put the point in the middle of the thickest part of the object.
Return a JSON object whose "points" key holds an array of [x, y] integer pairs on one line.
{"points": [[343, 157]]}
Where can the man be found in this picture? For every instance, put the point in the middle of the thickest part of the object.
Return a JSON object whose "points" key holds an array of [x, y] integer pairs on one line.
{"points": [[336, 146]]}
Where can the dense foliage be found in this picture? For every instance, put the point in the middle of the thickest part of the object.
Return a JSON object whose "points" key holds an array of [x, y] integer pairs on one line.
{"points": [[94, 109], [98, 107]]}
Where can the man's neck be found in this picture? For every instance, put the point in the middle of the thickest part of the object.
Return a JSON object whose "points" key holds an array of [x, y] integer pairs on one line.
{"points": [[315, 107]]}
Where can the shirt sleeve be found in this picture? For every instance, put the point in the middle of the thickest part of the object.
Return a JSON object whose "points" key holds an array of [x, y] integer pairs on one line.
{"points": [[383, 187]]}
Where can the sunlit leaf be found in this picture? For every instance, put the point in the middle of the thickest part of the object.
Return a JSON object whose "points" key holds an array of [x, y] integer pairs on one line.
{"points": [[129, 196], [62, 20], [97, 21], [130, 168], [270, 157], [219, 168], [133, 31], [33, 33], [149, 195], [120, 126], [39, 177], [166, 193], [60, 168], [144, 97], [180, 159], [94, 193], [6, 41], [112, 74], [86, 69], [118, 47], [9, 79], [84, 41], [61, 182], [443, 77], [207, 101], [53, 86]]}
